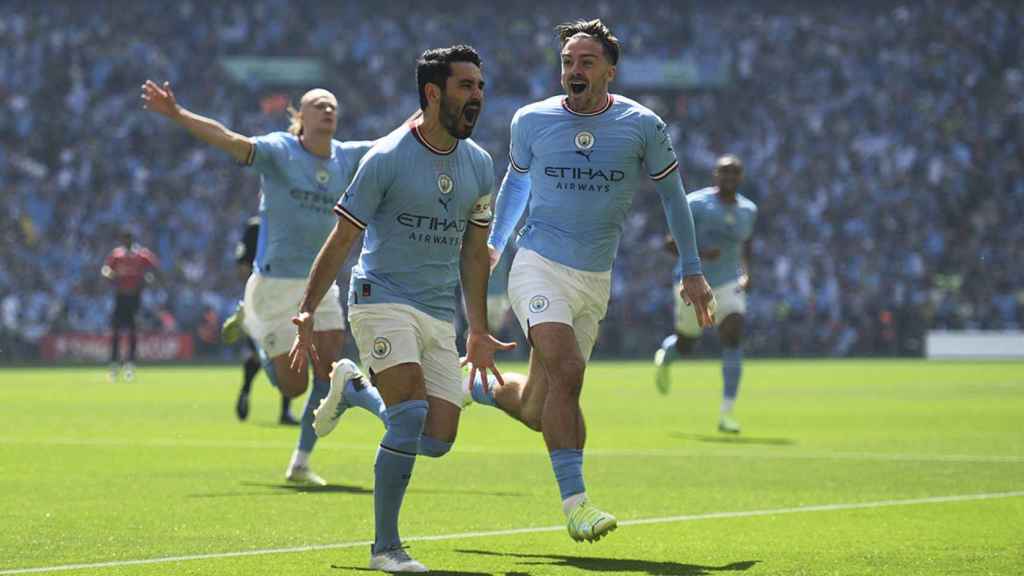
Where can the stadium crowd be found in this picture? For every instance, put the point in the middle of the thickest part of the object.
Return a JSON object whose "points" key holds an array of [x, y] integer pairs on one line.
{"points": [[883, 143]]}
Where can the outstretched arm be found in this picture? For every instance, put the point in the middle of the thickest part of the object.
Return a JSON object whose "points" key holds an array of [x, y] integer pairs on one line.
{"points": [[694, 289], [160, 99]]}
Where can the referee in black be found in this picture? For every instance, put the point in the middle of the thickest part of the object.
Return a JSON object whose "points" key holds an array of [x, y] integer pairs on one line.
{"points": [[233, 329]]}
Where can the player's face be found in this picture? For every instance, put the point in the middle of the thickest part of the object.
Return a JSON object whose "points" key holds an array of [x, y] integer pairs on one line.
{"points": [[319, 112], [586, 73], [728, 177], [462, 100]]}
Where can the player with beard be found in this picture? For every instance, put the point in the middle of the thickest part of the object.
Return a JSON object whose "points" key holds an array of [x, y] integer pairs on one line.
{"points": [[302, 172], [423, 197], [577, 159]]}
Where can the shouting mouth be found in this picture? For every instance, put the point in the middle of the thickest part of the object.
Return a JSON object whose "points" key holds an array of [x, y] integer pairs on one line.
{"points": [[577, 86], [470, 114]]}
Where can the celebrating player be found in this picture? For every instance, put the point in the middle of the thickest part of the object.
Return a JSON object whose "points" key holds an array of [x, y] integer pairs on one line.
{"points": [[129, 267], [302, 172], [577, 160], [422, 195], [724, 221]]}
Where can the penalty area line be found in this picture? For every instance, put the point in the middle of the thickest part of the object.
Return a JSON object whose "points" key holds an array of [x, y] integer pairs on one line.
{"points": [[534, 530]]}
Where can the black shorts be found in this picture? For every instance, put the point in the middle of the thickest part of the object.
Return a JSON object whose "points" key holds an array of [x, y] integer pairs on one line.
{"points": [[126, 306]]}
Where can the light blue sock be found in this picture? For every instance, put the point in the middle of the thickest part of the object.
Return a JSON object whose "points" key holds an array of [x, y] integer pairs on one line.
{"points": [[433, 447], [360, 393], [568, 466], [393, 469], [307, 436], [669, 346], [478, 394], [732, 367]]}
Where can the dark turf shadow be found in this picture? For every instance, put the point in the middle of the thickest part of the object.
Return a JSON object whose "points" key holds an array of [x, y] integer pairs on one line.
{"points": [[735, 439], [620, 565], [285, 489], [432, 571]]}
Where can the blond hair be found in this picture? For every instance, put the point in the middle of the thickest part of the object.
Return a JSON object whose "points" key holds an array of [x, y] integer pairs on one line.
{"points": [[294, 120]]}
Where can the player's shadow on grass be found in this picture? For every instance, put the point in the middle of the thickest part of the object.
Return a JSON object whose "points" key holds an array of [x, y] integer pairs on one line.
{"points": [[620, 565], [284, 489], [433, 572], [735, 439]]}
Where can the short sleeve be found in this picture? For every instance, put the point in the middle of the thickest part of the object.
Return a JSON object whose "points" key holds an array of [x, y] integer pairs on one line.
{"points": [[659, 157], [519, 154], [268, 152], [364, 194]]}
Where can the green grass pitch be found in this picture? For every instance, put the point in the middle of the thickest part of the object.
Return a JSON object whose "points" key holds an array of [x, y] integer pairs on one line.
{"points": [[843, 467]]}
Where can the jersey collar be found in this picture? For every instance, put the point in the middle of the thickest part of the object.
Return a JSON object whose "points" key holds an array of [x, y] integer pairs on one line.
{"points": [[419, 137], [565, 104]]}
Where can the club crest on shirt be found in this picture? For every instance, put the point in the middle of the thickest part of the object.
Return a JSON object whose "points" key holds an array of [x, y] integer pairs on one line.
{"points": [[445, 184], [322, 176], [538, 304], [381, 347], [584, 140]]}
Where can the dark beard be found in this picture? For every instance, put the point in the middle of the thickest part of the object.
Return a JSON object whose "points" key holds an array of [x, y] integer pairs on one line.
{"points": [[450, 116]]}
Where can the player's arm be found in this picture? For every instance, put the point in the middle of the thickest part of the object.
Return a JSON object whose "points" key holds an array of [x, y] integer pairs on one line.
{"points": [[746, 257], [661, 159], [475, 269], [328, 263], [160, 99], [514, 194]]}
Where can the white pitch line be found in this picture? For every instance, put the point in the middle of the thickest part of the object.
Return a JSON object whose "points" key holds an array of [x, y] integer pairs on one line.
{"points": [[535, 530], [767, 453]]}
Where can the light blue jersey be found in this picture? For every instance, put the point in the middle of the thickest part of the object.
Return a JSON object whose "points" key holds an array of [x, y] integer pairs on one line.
{"points": [[414, 202], [297, 190], [583, 171], [725, 227]]}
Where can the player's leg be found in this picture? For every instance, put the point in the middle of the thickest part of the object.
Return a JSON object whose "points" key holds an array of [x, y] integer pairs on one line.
{"points": [[732, 306], [681, 343], [328, 344], [250, 368], [443, 380], [563, 427], [346, 385], [404, 393], [132, 313], [115, 340], [389, 339], [521, 397]]}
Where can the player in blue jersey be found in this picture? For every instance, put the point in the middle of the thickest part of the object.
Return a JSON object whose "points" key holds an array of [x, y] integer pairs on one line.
{"points": [[577, 160], [724, 221], [423, 197], [302, 172]]}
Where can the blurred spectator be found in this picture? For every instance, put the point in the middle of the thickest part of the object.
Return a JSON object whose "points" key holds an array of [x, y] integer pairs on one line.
{"points": [[884, 144]]}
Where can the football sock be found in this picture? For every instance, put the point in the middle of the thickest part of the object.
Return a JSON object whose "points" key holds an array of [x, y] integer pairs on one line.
{"points": [[300, 459], [433, 447], [732, 367], [568, 466], [359, 392], [307, 436], [286, 405], [249, 370], [393, 469], [477, 390]]}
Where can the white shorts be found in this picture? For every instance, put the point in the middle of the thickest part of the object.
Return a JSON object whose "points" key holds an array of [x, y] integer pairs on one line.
{"points": [[392, 334], [545, 291], [270, 304], [730, 298], [497, 307]]}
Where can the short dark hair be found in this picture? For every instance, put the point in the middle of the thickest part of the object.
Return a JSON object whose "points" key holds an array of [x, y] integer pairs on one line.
{"points": [[435, 66], [596, 30]]}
